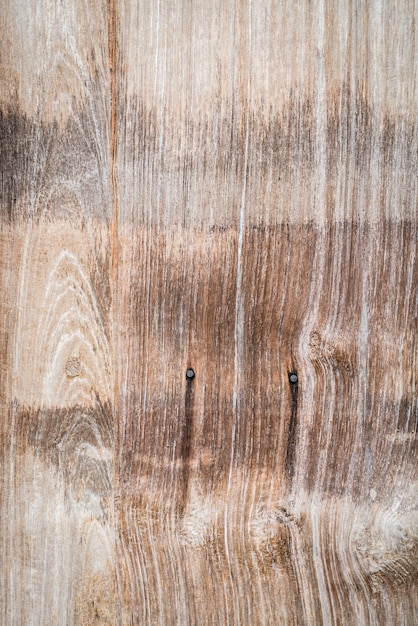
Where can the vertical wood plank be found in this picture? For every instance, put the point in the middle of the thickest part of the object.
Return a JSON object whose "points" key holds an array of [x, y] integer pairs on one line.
{"points": [[57, 538], [267, 226]]}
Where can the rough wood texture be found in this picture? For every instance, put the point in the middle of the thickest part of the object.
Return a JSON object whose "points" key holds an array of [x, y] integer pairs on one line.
{"points": [[57, 427], [229, 186]]}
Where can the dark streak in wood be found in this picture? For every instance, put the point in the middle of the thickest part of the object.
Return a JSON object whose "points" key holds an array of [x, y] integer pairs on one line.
{"points": [[76, 440], [282, 146], [33, 155], [186, 442], [293, 425]]}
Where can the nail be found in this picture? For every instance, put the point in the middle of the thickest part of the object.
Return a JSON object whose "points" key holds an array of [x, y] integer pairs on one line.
{"points": [[190, 374]]}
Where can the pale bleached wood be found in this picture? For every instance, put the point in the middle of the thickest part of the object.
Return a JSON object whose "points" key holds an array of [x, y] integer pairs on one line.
{"points": [[56, 524]]}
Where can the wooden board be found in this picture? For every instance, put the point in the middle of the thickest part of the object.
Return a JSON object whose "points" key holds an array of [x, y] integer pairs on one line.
{"points": [[230, 187], [57, 420]]}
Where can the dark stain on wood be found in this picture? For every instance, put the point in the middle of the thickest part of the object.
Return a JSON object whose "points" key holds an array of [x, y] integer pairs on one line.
{"points": [[186, 440], [78, 441], [292, 431], [282, 143], [34, 155], [282, 138]]}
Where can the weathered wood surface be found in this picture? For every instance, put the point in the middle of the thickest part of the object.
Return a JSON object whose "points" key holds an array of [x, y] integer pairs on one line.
{"points": [[229, 186]]}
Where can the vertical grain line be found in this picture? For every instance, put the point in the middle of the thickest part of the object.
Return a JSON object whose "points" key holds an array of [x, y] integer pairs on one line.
{"points": [[239, 322], [112, 51], [292, 431], [113, 110], [186, 443], [112, 36]]}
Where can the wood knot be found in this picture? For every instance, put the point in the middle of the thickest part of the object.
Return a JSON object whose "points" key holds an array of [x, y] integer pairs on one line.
{"points": [[73, 367], [271, 534], [388, 546], [334, 355]]}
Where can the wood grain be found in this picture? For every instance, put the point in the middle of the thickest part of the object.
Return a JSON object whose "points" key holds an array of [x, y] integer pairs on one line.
{"points": [[230, 187], [267, 226], [57, 441], [281, 489]]}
